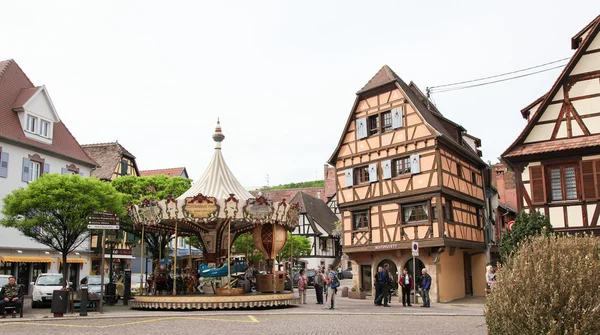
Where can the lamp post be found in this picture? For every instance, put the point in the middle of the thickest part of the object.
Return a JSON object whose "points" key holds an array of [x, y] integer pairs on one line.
{"points": [[111, 242], [127, 277]]}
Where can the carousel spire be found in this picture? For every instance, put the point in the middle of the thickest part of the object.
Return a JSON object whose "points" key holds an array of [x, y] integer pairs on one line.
{"points": [[218, 135]]}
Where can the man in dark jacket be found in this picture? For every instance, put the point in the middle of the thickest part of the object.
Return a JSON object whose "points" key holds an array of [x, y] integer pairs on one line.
{"points": [[385, 284], [425, 286], [11, 295], [378, 286], [407, 283]]}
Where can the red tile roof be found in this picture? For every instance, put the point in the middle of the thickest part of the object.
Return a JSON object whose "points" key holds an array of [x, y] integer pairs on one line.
{"points": [[558, 145], [385, 75], [289, 194], [24, 96], [12, 82], [171, 172]]}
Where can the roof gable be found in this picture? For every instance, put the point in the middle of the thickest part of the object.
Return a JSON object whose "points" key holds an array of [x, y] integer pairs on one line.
{"points": [[554, 105], [317, 210], [12, 82], [169, 172], [108, 155]]}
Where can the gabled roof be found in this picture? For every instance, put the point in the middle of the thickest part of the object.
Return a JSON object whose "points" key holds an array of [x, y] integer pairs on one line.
{"points": [[108, 155], [517, 145], [170, 172], [13, 81], [446, 130], [316, 210], [290, 193], [24, 96]]}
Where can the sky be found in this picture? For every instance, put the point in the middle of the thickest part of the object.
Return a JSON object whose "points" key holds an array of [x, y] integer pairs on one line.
{"points": [[281, 76]]}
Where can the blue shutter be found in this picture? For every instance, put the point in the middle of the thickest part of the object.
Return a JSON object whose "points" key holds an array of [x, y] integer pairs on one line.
{"points": [[4, 164], [361, 128], [397, 117], [349, 177], [46, 168], [372, 172], [64, 171], [26, 175], [386, 166], [415, 164]]}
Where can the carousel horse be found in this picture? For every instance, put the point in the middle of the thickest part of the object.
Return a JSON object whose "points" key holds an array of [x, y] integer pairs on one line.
{"points": [[210, 272]]}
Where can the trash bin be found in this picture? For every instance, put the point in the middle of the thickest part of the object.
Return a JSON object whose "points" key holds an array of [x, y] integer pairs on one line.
{"points": [[344, 292], [111, 293], [60, 302]]}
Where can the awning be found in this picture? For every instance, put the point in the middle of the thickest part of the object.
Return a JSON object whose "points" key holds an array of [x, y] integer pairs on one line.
{"points": [[119, 256], [26, 259], [74, 260]]}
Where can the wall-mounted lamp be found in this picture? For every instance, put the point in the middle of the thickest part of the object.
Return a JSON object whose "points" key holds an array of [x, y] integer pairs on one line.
{"points": [[47, 252], [76, 253]]}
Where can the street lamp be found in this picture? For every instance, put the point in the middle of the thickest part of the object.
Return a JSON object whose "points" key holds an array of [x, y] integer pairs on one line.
{"points": [[111, 242]]}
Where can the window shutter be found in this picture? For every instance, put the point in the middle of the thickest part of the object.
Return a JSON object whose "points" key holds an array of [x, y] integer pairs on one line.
{"points": [[587, 178], [538, 185], [46, 168], [386, 166], [415, 164], [4, 164], [26, 175], [597, 172], [373, 172], [64, 171], [397, 117], [361, 128], [349, 178]]}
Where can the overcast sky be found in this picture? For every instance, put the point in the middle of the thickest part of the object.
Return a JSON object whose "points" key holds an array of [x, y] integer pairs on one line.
{"points": [[281, 75]]}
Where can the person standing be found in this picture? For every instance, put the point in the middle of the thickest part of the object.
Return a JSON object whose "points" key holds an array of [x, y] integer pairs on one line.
{"points": [[384, 282], [377, 286], [425, 286], [407, 283], [302, 285], [319, 283], [11, 295], [332, 285]]}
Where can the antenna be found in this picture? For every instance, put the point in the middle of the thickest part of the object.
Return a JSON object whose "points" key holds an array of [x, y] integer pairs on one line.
{"points": [[267, 180], [428, 90]]}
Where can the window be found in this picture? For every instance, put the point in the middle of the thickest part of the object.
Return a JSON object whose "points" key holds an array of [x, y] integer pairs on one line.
{"points": [[459, 171], [44, 126], [361, 175], [415, 213], [124, 167], [448, 211], [563, 182], [360, 220], [401, 166], [373, 125], [35, 169], [31, 121], [387, 121], [473, 177], [434, 215]]}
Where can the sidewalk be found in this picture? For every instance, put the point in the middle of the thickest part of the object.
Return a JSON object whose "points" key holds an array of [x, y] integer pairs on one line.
{"points": [[471, 306]]}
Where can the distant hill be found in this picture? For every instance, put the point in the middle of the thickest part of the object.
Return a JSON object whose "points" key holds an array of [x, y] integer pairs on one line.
{"points": [[304, 184]]}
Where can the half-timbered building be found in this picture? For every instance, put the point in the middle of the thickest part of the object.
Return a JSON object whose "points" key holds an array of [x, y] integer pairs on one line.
{"points": [[556, 158], [406, 173], [317, 223]]}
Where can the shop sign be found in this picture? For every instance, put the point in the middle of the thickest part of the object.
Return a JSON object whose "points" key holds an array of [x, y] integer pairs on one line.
{"points": [[386, 247], [202, 209]]}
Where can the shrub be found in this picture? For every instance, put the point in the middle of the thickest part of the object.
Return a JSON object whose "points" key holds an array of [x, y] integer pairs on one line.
{"points": [[550, 285], [354, 289], [526, 225]]}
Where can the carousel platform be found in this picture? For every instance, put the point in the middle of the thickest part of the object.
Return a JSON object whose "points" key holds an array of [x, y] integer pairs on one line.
{"points": [[211, 301]]}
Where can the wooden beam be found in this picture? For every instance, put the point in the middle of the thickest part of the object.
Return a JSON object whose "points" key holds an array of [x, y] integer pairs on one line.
{"points": [[594, 221]]}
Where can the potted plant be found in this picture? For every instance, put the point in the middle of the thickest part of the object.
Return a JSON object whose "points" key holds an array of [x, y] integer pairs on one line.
{"points": [[357, 293]]}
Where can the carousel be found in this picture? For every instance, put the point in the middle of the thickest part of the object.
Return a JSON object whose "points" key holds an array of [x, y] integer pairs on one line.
{"points": [[217, 209]]}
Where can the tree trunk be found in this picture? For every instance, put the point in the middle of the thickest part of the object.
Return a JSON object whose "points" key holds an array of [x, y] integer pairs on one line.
{"points": [[65, 270]]}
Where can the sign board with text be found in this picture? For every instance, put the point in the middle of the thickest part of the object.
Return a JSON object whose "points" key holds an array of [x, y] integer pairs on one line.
{"points": [[103, 220], [415, 249]]}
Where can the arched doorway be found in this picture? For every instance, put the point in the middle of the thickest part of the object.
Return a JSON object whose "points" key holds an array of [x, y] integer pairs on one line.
{"points": [[393, 271], [419, 265]]}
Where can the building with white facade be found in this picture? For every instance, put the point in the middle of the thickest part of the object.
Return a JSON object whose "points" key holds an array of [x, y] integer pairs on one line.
{"points": [[34, 141]]}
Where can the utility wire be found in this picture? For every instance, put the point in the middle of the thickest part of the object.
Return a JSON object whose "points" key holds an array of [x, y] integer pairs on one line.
{"points": [[492, 82], [501, 75]]}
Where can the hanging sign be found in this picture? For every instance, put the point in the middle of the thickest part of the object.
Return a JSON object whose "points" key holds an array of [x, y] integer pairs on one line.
{"points": [[200, 207]]}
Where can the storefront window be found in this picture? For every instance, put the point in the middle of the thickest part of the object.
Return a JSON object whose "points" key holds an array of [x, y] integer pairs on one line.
{"points": [[6, 268]]}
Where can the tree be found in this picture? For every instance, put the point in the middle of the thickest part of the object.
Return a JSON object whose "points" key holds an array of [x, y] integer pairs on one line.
{"points": [[54, 210], [157, 187], [550, 285], [296, 247], [244, 244], [526, 225], [302, 184]]}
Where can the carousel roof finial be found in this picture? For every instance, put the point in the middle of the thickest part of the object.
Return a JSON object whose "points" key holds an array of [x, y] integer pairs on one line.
{"points": [[218, 135]]}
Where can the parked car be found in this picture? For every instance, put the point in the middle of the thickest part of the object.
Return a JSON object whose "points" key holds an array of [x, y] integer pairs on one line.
{"points": [[310, 274], [94, 281], [43, 287], [136, 285], [346, 274]]}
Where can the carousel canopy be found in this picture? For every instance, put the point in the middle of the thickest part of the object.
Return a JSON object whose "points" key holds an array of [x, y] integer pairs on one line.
{"points": [[218, 181]]}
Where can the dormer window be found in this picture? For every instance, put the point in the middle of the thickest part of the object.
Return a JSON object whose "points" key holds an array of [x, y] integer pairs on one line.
{"points": [[44, 128], [31, 123]]}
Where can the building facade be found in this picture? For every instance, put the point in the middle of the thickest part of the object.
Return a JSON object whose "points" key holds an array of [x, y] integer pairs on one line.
{"points": [[406, 173], [556, 158], [34, 141], [317, 223]]}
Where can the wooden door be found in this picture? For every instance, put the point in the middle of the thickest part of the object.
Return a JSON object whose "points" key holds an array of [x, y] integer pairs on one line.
{"points": [[468, 275]]}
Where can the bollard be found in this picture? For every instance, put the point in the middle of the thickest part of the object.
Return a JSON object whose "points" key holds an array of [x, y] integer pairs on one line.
{"points": [[84, 300]]}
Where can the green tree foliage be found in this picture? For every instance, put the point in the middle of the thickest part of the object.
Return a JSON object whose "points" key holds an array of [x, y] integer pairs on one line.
{"points": [[296, 247], [244, 245], [550, 285], [525, 225], [304, 184], [54, 210], [157, 187]]}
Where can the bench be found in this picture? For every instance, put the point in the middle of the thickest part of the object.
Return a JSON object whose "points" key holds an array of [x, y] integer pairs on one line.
{"points": [[75, 301], [9, 308]]}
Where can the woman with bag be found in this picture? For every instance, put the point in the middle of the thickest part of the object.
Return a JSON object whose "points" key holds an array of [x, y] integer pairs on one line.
{"points": [[302, 285]]}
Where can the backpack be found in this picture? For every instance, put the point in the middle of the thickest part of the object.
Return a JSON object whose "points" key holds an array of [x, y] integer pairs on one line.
{"points": [[319, 280], [335, 283]]}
